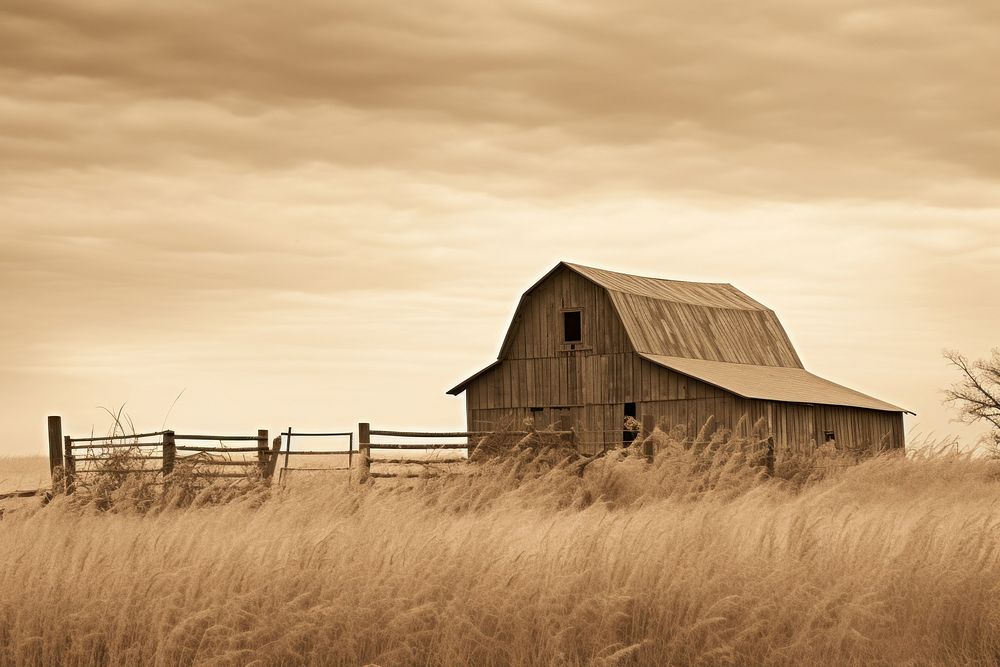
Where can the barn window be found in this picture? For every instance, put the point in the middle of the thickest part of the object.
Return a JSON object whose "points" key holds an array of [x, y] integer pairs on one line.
{"points": [[537, 409], [829, 436], [572, 326]]}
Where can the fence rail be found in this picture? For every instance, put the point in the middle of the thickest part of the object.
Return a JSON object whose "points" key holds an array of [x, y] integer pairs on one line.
{"points": [[114, 445], [366, 447], [131, 436], [438, 434], [400, 445], [221, 450], [219, 438]]}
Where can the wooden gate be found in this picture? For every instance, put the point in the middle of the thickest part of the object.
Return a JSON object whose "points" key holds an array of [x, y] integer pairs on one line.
{"points": [[335, 454]]}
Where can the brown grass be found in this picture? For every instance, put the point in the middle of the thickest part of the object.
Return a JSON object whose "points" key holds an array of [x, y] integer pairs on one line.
{"points": [[698, 558], [23, 472]]}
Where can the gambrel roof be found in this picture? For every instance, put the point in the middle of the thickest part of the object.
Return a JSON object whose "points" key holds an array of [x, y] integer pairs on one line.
{"points": [[712, 332], [711, 321]]}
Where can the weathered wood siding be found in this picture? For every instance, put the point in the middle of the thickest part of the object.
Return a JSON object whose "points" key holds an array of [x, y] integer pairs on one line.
{"points": [[537, 332], [591, 390]]}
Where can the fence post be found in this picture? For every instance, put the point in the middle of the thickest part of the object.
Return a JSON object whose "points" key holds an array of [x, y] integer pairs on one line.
{"points": [[364, 450], [769, 456], [55, 448], [169, 453], [288, 447], [262, 452], [69, 465], [272, 461], [648, 426]]}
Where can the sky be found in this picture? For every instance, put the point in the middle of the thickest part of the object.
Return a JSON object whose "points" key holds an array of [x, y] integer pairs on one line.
{"points": [[312, 214]]}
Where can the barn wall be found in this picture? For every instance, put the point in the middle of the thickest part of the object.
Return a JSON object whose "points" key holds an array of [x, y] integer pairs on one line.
{"points": [[583, 378], [589, 392]]}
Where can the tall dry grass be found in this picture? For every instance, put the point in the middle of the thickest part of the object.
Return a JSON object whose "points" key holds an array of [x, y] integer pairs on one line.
{"points": [[697, 558], [23, 472]]}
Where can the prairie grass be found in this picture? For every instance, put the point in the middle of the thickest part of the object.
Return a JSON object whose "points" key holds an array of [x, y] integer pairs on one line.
{"points": [[696, 558], [23, 472]]}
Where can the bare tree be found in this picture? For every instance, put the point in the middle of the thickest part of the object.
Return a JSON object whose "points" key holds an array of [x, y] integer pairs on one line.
{"points": [[977, 394]]}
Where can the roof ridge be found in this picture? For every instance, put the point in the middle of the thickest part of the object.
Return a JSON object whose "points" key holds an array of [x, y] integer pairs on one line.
{"points": [[700, 305], [575, 265]]}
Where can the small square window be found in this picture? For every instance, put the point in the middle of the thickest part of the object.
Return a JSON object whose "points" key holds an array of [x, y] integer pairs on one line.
{"points": [[572, 326], [829, 436]]}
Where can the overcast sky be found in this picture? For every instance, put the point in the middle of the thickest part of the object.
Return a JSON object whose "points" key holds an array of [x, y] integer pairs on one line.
{"points": [[316, 213]]}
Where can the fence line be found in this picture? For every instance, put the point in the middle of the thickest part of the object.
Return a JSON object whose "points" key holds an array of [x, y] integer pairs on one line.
{"points": [[64, 460]]}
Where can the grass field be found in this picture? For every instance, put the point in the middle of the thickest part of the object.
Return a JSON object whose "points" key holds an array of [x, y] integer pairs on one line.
{"points": [[695, 559], [23, 472]]}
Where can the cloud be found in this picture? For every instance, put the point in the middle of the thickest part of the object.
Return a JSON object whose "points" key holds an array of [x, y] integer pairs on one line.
{"points": [[323, 202], [780, 102]]}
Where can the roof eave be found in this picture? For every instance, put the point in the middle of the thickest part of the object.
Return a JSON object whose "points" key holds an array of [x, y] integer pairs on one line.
{"points": [[460, 387]]}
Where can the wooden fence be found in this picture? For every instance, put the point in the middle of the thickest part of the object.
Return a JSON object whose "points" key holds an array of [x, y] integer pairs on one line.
{"points": [[401, 453], [161, 452]]}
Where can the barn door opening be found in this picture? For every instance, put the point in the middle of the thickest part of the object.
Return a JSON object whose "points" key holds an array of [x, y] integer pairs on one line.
{"points": [[538, 417], [562, 419], [628, 436]]}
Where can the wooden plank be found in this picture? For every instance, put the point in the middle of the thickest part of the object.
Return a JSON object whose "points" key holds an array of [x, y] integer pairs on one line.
{"points": [[221, 438], [55, 446], [117, 437], [169, 452], [398, 445], [69, 465], [26, 493], [434, 434], [364, 448], [106, 445]]}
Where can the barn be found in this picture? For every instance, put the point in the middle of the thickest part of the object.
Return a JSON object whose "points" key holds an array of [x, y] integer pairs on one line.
{"points": [[589, 347]]}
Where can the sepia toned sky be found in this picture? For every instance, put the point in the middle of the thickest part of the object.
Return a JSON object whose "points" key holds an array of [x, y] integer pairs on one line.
{"points": [[316, 213]]}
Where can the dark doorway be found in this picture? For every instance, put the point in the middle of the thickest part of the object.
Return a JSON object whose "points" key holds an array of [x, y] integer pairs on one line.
{"points": [[627, 435], [562, 419], [572, 326]]}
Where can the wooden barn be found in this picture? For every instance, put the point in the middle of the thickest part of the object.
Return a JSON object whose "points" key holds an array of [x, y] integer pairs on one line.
{"points": [[588, 348]]}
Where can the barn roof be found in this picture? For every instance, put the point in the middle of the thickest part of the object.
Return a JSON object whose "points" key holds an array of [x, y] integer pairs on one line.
{"points": [[773, 383], [713, 321], [709, 331]]}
